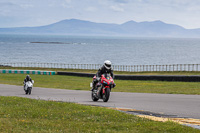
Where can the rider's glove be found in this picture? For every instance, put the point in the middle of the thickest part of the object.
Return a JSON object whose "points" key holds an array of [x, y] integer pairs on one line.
{"points": [[98, 78]]}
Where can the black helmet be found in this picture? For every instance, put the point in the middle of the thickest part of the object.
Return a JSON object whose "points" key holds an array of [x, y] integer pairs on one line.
{"points": [[27, 77]]}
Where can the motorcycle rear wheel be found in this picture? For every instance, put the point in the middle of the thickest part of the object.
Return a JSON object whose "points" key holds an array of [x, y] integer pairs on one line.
{"points": [[106, 95]]}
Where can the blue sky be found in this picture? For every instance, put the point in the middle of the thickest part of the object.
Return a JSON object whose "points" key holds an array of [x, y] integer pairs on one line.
{"points": [[20, 13]]}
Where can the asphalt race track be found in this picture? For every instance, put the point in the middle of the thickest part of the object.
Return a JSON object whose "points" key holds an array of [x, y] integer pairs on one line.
{"points": [[187, 106]]}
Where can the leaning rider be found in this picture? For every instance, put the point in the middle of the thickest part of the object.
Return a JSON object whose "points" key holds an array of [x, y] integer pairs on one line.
{"points": [[106, 68]]}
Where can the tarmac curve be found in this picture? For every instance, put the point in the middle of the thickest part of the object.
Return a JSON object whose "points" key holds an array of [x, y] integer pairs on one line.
{"points": [[172, 105]]}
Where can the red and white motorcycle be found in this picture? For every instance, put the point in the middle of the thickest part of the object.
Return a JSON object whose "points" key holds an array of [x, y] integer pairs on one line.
{"points": [[102, 88]]}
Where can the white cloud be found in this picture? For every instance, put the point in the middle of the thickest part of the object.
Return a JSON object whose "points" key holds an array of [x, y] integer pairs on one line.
{"points": [[41, 12], [66, 3], [8, 8], [91, 9], [121, 1], [117, 8], [27, 5]]}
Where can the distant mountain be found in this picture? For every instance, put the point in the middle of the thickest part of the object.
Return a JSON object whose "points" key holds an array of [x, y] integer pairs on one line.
{"points": [[130, 28]]}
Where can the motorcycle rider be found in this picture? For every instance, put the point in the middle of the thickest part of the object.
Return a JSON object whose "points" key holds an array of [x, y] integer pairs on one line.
{"points": [[28, 78], [106, 68]]}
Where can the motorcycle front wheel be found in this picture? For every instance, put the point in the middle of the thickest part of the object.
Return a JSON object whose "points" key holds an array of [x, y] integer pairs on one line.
{"points": [[29, 91], [26, 91], [106, 95]]}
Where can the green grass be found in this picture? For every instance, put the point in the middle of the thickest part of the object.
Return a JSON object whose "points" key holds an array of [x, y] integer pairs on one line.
{"points": [[82, 83], [28, 115], [115, 72]]}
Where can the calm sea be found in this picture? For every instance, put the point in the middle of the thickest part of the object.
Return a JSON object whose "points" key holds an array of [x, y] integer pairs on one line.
{"points": [[94, 50]]}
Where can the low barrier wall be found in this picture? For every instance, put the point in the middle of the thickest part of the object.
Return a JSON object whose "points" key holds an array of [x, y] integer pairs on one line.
{"points": [[76, 74], [160, 77], [192, 78], [28, 72]]}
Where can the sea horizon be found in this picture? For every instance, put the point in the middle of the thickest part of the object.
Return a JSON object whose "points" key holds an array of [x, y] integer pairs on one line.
{"points": [[71, 49]]}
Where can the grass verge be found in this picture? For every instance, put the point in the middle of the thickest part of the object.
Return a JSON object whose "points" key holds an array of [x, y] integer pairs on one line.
{"points": [[82, 83], [28, 115]]}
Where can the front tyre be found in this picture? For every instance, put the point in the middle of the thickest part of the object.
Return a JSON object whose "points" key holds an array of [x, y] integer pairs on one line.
{"points": [[26, 91], [29, 90], [106, 95]]}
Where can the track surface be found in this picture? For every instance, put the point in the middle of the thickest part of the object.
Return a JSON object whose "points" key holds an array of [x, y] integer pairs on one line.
{"points": [[169, 104]]}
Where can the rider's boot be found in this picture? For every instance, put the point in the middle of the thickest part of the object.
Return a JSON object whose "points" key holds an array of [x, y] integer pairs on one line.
{"points": [[93, 86]]}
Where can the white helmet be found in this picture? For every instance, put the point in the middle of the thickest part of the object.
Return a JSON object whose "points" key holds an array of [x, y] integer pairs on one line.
{"points": [[107, 64]]}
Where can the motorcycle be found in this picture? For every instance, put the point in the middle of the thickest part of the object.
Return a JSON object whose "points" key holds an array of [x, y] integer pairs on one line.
{"points": [[102, 88], [28, 87]]}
